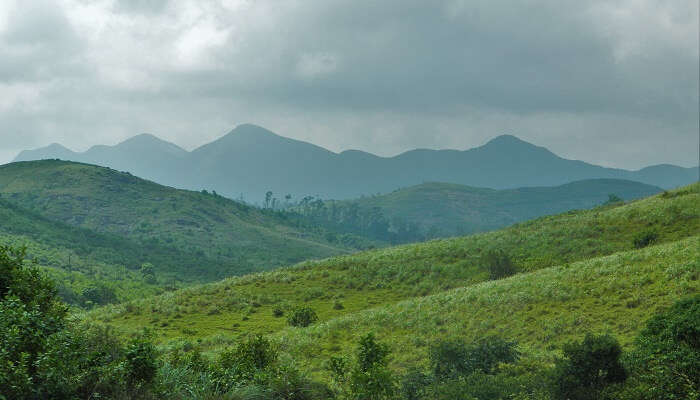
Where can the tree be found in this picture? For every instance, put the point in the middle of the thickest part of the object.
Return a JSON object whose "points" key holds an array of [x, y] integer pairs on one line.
{"points": [[370, 379], [148, 273], [588, 368], [30, 312], [613, 199], [268, 198]]}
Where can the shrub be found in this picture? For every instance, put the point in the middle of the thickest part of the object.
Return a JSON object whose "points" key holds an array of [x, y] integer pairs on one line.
{"points": [[455, 359], [278, 312], [141, 362], [414, 385], [645, 238], [338, 305], [498, 264], [302, 317], [371, 379], [588, 368], [667, 355]]}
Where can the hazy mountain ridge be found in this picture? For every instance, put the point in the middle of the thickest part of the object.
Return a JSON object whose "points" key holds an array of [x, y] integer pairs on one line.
{"points": [[251, 160]]}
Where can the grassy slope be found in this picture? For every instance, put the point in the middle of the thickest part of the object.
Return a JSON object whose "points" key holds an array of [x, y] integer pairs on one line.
{"points": [[541, 310], [77, 258], [370, 279], [230, 237], [448, 209]]}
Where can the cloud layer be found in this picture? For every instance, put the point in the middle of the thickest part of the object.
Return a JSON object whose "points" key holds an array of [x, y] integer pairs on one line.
{"points": [[611, 82]]}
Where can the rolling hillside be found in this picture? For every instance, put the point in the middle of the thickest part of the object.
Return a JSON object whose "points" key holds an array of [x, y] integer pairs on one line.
{"points": [[541, 310], [250, 160], [344, 285], [79, 259], [226, 237], [444, 209]]}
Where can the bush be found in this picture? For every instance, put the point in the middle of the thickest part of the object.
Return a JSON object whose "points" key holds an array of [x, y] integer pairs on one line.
{"points": [[667, 355], [278, 312], [302, 317], [588, 368], [455, 359], [414, 385], [645, 238], [371, 379], [141, 362], [498, 264]]}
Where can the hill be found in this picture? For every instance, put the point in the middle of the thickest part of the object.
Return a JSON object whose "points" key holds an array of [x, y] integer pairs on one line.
{"points": [[226, 237], [541, 310], [91, 268], [348, 284], [250, 160], [444, 209]]}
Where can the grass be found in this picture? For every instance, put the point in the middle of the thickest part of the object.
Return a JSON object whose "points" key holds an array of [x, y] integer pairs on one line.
{"points": [[367, 280], [224, 236], [541, 310]]}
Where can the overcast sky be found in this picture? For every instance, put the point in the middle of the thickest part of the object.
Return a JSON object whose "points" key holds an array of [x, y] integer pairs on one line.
{"points": [[609, 82]]}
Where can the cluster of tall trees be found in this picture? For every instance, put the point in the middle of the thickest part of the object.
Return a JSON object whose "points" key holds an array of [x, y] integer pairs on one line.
{"points": [[347, 217]]}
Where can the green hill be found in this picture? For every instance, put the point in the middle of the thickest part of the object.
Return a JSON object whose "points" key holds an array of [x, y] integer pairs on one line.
{"points": [[444, 209], [344, 285], [87, 266], [541, 310], [226, 237]]}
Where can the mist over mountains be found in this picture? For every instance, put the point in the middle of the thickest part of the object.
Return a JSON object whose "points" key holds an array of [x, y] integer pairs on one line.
{"points": [[250, 160]]}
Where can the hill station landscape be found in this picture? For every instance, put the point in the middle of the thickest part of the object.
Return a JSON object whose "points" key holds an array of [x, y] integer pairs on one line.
{"points": [[443, 200]]}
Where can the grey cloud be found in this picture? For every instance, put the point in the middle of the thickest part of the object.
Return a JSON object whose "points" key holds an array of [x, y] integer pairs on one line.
{"points": [[380, 76]]}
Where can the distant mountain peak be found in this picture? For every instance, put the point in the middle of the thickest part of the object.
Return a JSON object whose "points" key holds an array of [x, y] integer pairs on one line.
{"points": [[507, 140]]}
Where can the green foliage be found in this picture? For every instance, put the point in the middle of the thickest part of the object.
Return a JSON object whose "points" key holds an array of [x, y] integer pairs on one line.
{"points": [[667, 356], [645, 238], [498, 264], [141, 362], [453, 359], [42, 355], [302, 317], [588, 368], [431, 210], [414, 385], [370, 378], [613, 199]]}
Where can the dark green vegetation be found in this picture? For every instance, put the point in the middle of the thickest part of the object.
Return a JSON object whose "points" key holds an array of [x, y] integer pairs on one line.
{"points": [[380, 277], [251, 160], [205, 236], [435, 210], [89, 268]]}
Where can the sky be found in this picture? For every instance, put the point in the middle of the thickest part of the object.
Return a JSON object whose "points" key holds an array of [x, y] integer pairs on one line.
{"points": [[614, 83]]}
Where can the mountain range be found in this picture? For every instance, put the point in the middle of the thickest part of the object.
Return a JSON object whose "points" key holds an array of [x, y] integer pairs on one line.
{"points": [[250, 160]]}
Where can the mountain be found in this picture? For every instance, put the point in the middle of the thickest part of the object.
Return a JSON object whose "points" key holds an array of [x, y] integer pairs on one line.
{"points": [[446, 209], [222, 237], [250, 160]]}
